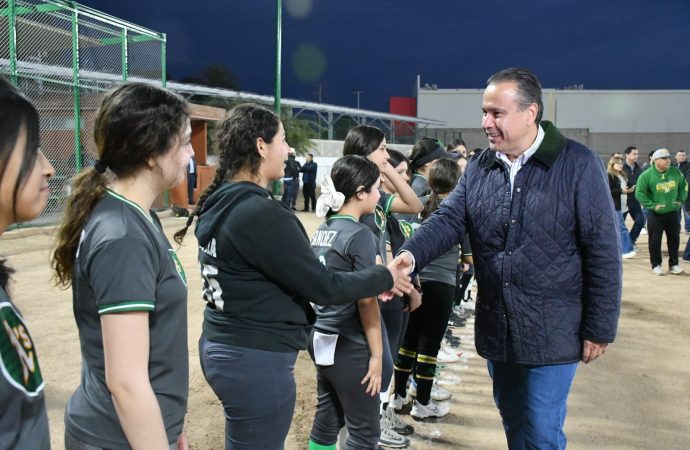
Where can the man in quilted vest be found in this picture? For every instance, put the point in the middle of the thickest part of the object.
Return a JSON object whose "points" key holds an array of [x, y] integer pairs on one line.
{"points": [[541, 223]]}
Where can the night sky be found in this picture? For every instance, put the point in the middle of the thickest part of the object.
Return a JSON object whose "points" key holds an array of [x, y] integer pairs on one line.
{"points": [[379, 46]]}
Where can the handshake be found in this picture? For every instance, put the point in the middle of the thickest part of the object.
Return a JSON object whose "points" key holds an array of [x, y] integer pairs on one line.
{"points": [[400, 269]]}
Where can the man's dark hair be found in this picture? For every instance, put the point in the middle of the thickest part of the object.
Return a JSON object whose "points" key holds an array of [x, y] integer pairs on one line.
{"points": [[529, 87], [629, 150]]}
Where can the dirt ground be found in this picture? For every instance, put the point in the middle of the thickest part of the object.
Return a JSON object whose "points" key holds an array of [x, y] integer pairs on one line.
{"points": [[636, 397]]}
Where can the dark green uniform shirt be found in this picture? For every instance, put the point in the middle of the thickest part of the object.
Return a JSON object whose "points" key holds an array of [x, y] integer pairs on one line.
{"points": [[125, 263]]}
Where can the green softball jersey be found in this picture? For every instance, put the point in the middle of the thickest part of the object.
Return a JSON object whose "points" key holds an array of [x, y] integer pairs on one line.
{"points": [[377, 222], [23, 417], [125, 263], [343, 244]]}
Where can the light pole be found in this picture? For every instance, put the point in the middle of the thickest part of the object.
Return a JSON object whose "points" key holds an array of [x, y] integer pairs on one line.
{"points": [[357, 93], [279, 33]]}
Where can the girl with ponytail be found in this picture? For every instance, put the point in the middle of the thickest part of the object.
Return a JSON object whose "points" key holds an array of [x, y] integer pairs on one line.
{"points": [[346, 341], [427, 324], [128, 287], [259, 277], [370, 142]]}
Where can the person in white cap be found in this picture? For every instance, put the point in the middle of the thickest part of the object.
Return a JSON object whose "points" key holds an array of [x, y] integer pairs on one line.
{"points": [[662, 189]]}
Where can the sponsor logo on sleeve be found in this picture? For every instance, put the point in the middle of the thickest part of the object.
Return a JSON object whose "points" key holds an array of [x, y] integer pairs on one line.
{"points": [[18, 359]]}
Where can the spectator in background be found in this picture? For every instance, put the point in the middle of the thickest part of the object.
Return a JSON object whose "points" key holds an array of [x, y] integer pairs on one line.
{"points": [[686, 253], [684, 167], [662, 189], [291, 180], [633, 171], [618, 184], [309, 182], [457, 146], [647, 163], [679, 160], [191, 180]]}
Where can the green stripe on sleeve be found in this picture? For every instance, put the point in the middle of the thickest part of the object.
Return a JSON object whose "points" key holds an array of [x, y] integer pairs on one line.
{"points": [[389, 204], [142, 305]]}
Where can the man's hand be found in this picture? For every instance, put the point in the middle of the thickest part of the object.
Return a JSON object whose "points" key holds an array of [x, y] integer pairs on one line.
{"points": [[592, 350], [404, 262], [659, 207]]}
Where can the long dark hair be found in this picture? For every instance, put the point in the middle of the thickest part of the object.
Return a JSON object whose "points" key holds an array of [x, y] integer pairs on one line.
{"points": [[362, 140], [17, 113], [455, 143], [443, 176], [421, 148], [134, 123], [395, 158], [237, 136], [352, 172]]}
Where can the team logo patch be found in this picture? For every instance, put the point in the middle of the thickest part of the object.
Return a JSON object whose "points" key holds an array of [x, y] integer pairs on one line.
{"points": [[18, 359], [178, 266], [380, 218], [406, 229]]}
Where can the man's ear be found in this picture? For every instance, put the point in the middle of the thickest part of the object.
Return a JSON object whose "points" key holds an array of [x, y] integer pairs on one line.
{"points": [[533, 109]]}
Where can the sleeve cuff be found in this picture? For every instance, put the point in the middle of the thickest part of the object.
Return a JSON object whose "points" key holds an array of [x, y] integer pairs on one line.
{"points": [[142, 305], [389, 204]]}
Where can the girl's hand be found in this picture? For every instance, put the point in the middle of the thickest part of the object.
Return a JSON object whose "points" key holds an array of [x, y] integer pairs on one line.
{"points": [[373, 376], [182, 443], [415, 300]]}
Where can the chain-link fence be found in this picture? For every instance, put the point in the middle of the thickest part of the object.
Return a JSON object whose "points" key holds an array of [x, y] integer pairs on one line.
{"points": [[63, 56]]}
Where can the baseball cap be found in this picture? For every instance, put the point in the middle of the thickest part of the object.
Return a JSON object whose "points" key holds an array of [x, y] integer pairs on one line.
{"points": [[437, 153], [661, 153]]}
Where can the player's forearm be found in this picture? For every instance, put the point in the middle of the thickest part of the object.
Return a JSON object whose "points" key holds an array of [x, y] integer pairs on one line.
{"points": [[140, 416], [407, 201], [371, 322]]}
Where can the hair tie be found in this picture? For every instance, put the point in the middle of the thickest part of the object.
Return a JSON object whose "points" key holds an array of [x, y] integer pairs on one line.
{"points": [[330, 198], [100, 166]]}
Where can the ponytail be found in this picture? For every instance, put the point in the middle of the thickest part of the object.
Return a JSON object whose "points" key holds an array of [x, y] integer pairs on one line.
{"points": [[5, 273], [237, 150], [218, 180], [443, 176], [88, 187]]}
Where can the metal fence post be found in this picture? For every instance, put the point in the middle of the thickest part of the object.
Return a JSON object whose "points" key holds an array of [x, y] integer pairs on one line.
{"points": [[12, 29], [76, 87], [124, 55], [164, 70]]}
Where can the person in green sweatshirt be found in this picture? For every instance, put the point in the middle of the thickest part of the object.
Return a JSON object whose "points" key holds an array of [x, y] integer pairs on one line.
{"points": [[662, 189]]}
